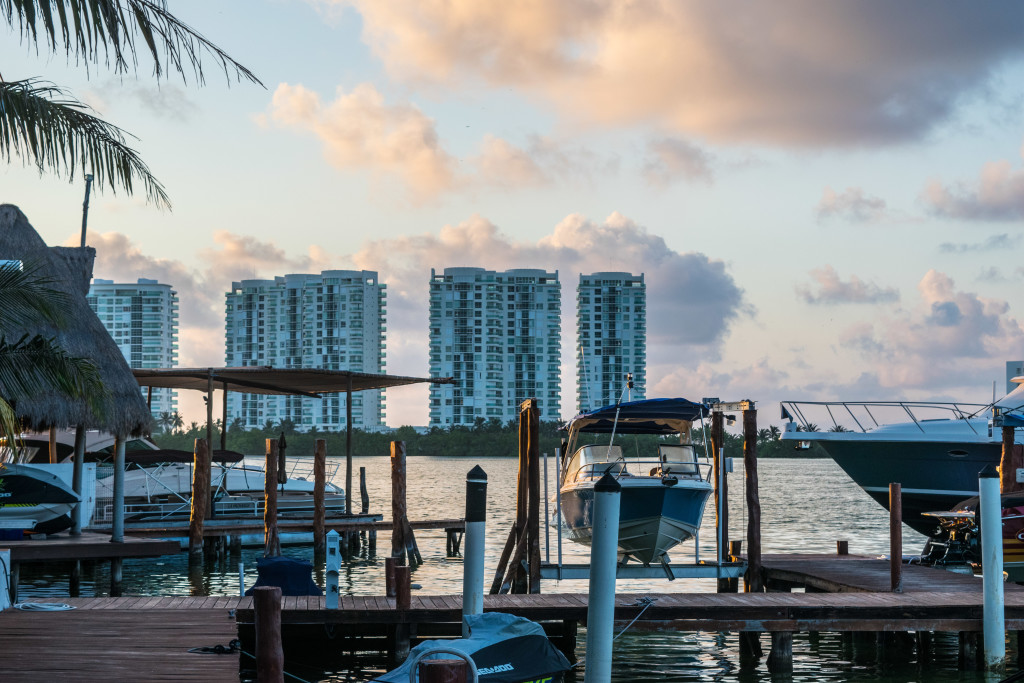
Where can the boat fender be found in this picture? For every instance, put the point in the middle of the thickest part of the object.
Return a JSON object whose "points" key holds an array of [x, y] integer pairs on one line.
{"points": [[670, 481]]}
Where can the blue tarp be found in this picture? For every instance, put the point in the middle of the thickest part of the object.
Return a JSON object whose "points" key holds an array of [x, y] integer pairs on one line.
{"points": [[652, 416]]}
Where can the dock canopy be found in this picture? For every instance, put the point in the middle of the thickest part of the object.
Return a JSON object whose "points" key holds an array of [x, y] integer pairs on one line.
{"points": [[652, 416], [263, 379]]}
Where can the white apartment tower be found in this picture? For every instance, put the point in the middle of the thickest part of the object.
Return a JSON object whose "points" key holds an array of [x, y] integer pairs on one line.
{"points": [[334, 320], [611, 338], [142, 318], [499, 336]]}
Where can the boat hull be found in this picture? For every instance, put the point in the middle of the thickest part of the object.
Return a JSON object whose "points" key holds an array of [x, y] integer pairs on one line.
{"points": [[653, 517], [34, 499]]}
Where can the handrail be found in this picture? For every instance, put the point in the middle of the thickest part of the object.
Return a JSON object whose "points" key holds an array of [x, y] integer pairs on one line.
{"points": [[957, 410]]}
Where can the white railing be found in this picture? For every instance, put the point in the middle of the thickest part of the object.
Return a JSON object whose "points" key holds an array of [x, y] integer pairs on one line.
{"points": [[863, 416]]}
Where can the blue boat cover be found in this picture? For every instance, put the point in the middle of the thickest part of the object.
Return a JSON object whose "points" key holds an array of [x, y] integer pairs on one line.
{"points": [[293, 577], [652, 416]]}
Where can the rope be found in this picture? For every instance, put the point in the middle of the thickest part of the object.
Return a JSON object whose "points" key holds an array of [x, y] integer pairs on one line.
{"points": [[231, 648], [645, 602], [43, 606]]}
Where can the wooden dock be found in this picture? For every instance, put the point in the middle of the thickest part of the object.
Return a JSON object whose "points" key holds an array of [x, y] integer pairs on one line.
{"points": [[88, 546], [229, 527]]}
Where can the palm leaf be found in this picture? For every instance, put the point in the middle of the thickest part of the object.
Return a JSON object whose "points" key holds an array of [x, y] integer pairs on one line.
{"points": [[116, 31], [26, 297], [36, 364], [39, 122]]}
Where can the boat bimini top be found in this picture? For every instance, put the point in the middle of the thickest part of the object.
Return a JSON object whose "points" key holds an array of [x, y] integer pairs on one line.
{"points": [[652, 416]]}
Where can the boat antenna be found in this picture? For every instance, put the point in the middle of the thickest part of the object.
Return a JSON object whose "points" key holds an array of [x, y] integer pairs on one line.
{"points": [[615, 422]]}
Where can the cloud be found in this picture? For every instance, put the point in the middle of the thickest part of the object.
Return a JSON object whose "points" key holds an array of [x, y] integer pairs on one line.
{"points": [[798, 72], [670, 159], [995, 275], [949, 339], [540, 161], [997, 196], [831, 290], [851, 205], [999, 242], [165, 101], [360, 131]]}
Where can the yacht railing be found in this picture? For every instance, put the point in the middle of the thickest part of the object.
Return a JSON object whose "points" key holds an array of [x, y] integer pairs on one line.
{"points": [[644, 468], [867, 415]]}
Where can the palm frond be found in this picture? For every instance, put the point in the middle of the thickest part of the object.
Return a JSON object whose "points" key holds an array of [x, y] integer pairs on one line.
{"points": [[35, 364], [26, 297], [116, 31], [41, 123]]}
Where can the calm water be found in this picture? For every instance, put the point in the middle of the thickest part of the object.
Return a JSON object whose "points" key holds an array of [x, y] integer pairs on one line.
{"points": [[806, 505]]}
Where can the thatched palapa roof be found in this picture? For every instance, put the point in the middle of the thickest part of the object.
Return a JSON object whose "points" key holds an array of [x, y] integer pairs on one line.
{"points": [[83, 336]]}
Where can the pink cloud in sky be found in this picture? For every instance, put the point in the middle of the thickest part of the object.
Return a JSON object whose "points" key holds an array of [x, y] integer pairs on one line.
{"points": [[793, 72], [829, 288], [998, 195]]}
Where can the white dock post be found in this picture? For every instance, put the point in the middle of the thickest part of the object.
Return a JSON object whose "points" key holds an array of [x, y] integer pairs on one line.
{"points": [[473, 562], [117, 526], [333, 569], [990, 511], [604, 557]]}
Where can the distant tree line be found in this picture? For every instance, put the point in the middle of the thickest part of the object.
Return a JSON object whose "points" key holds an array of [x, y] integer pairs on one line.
{"points": [[485, 439]]}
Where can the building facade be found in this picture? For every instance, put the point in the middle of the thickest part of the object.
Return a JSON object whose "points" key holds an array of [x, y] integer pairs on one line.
{"points": [[611, 338], [334, 320], [498, 334], [142, 318]]}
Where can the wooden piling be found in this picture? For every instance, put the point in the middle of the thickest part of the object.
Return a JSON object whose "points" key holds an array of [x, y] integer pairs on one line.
{"points": [[443, 671], [403, 587], [519, 578], [271, 539], [842, 547], [533, 510], [398, 501], [721, 495], [364, 494], [754, 581], [895, 538], [1012, 459], [389, 576], [780, 658], [116, 567], [319, 487], [266, 602], [200, 493]]}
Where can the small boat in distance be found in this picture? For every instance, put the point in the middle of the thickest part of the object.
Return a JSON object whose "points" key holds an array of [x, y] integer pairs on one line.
{"points": [[663, 492]]}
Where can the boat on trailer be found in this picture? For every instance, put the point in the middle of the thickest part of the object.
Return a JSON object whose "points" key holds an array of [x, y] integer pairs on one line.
{"points": [[664, 491]]}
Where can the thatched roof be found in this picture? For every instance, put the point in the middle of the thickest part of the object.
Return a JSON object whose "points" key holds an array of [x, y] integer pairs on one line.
{"points": [[83, 336]]}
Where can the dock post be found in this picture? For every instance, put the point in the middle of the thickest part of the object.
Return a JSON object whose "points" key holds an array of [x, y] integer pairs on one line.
{"points": [[364, 494], [389, 576], [842, 547], [780, 659], [333, 569], [721, 492], [403, 587], [271, 540], [992, 567], [473, 564], [319, 486], [117, 525], [200, 492], [76, 479], [603, 563], [1012, 459], [266, 602], [398, 502], [533, 510], [896, 537], [116, 567], [754, 579]]}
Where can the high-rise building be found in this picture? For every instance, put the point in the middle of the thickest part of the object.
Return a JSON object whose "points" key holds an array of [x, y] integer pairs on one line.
{"points": [[142, 318], [611, 338], [499, 336], [334, 320]]}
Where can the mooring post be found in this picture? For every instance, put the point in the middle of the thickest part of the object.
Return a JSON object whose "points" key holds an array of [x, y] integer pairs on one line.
{"points": [[200, 492], [473, 562], [266, 602], [389, 576], [364, 494], [533, 511], [398, 502], [271, 540], [754, 580], [842, 547], [117, 525], [333, 564], [990, 509], [319, 487], [780, 658], [76, 479], [896, 537], [403, 587], [604, 558], [721, 491]]}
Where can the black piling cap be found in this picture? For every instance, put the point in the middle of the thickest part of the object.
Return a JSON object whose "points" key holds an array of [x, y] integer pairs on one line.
{"points": [[281, 442], [988, 472], [476, 474], [607, 484]]}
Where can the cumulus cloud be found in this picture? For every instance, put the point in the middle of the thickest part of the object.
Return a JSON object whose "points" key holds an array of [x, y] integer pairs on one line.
{"points": [[998, 195], [852, 205], [671, 159], [999, 242], [796, 72], [996, 276], [830, 289], [949, 338], [165, 101]]}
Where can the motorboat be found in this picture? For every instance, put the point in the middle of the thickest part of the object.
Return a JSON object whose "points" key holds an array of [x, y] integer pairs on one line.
{"points": [[158, 482], [934, 450], [663, 491], [35, 500]]}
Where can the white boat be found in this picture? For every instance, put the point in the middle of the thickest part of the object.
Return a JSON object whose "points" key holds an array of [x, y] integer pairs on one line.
{"points": [[35, 499], [663, 493], [934, 450], [158, 482]]}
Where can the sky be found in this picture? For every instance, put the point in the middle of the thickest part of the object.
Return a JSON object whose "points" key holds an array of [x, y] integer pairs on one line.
{"points": [[827, 199]]}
